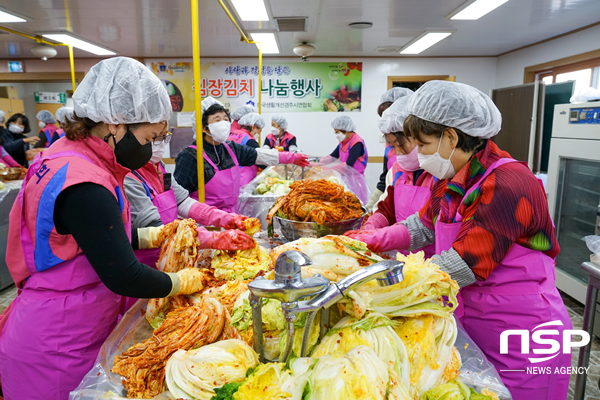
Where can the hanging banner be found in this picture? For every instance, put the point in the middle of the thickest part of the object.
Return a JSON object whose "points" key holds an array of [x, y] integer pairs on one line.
{"points": [[286, 86]]}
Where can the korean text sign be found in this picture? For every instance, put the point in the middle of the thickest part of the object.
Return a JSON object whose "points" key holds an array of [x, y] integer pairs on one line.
{"points": [[286, 87]]}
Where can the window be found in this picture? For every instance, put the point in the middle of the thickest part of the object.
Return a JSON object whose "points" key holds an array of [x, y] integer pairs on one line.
{"points": [[585, 74]]}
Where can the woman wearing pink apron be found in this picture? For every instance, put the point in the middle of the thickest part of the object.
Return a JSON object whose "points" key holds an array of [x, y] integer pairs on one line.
{"points": [[71, 254], [389, 155], [493, 234], [222, 161], [49, 131], [408, 187], [251, 125], [279, 138], [237, 115], [352, 149], [157, 199]]}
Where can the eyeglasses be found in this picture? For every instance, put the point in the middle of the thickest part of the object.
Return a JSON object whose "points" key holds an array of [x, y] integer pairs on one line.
{"points": [[159, 139]]}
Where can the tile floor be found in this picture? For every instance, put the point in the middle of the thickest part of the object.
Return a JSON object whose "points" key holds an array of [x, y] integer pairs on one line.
{"points": [[574, 308]]}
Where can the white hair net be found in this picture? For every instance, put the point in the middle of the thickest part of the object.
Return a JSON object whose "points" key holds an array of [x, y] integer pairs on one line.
{"points": [[63, 112], [241, 111], [458, 106], [209, 101], [121, 90], [46, 117], [393, 118], [251, 120], [343, 123], [281, 121], [394, 94]]}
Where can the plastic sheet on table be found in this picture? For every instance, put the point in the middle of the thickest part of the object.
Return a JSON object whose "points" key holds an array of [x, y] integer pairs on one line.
{"points": [[477, 371], [100, 383], [351, 179], [254, 205]]}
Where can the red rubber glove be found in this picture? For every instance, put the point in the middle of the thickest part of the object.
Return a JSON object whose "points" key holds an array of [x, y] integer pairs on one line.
{"points": [[235, 221], [395, 237], [226, 240], [212, 216], [293, 158]]}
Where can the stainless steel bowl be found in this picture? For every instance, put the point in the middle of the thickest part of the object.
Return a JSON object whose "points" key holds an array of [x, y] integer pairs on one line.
{"points": [[294, 230]]}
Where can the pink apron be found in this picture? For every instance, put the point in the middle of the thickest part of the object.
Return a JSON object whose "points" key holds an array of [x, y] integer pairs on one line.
{"points": [[63, 314], [241, 136], [519, 294], [223, 190], [49, 132], [166, 204], [283, 141], [361, 164], [391, 157], [408, 200]]}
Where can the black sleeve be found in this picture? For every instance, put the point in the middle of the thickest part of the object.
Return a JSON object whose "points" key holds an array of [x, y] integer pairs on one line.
{"points": [[267, 143], [336, 152], [252, 143], [186, 170], [246, 155], [42, 142], [292, 143], [355, 152], [13, 146], [92, 215], [381, 183], [135, 239]]}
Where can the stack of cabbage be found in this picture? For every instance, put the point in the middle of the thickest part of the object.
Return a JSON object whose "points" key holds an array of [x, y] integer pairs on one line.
{"points": [[393, 342], [272, 184]]}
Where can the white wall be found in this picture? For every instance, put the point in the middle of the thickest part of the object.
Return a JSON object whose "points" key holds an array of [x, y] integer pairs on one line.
{"points": [[510, 68]]}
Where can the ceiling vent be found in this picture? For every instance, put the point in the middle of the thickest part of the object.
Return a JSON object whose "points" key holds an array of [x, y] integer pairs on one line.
{"points": [[291, 24]]}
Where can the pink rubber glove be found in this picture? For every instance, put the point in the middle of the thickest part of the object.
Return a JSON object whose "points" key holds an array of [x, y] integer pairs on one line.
{"points": [[212, 216], [226, 240], [9, 161], [395, 237], [375, 221], [286, 157]]}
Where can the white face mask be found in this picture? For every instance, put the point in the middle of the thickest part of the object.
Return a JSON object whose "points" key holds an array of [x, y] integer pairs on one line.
{"points": [[42, 124], [157, 152], [410, 161], [274, 131], [220, 130], [14, 128], [340, 137], [436, 165]]}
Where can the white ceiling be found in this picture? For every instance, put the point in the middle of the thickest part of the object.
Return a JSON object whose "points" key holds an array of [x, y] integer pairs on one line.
{"points": [[162, 28]]}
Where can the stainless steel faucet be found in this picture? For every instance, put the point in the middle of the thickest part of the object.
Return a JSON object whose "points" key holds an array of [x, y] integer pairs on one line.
{"points": [[289, 287]]}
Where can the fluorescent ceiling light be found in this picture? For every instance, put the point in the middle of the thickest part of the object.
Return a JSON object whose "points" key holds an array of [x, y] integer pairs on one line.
{"points": [[425, 42], [268, 42], [251, 10], [478, 9], [6, 18], [78, 43]]}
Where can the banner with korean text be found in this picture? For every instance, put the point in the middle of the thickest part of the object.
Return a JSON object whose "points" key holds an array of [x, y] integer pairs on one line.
{"points": [[286, 86]]}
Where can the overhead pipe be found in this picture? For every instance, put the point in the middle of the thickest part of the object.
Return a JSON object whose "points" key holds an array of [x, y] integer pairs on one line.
{"points": [[40, 39], [198, 100], [244, 38]]}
